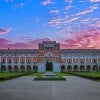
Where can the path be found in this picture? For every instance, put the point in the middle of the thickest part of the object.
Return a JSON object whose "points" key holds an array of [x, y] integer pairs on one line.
{"points": [[24, 88]]}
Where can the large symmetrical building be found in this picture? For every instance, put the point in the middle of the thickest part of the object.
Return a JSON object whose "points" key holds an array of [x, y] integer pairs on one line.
{"points": [[49, 57]]}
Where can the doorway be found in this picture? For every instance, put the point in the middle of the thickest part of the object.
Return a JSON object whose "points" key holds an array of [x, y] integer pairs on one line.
{"points": [[49, 65]]}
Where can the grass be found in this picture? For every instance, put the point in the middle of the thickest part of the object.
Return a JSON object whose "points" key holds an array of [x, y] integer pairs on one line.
{"points": [[10, 75], [39, 74], [92, 74], [89, 75], [60, 74]]}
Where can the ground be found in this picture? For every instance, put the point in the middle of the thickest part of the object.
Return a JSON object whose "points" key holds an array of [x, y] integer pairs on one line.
{"points": [[75, 88]]}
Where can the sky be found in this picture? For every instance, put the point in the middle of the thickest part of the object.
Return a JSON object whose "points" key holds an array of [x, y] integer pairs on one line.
{"points": [[75, 24]]}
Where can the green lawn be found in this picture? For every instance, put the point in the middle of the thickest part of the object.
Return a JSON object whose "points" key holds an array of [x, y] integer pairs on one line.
{"points": [[10, 75], [89, 75], [92, 74], [39, 74], [60, 74]]}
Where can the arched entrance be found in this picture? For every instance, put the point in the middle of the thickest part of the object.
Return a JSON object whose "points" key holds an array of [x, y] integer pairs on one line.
{"points": [[75, 68], [9, 68], [88, 68], [35, 68], [29, 68], [63, 68], [95, 68], [81, 68], [69, 68], [16, 68], [49, 65], [22, 68], [3, 68]]}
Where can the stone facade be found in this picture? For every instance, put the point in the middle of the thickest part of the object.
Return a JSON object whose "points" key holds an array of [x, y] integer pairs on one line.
{"points": [[49, 56]]}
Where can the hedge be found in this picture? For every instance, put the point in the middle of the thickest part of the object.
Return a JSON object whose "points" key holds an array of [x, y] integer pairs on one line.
{"points": [[51, 79], [12, 76], [86, 76]]}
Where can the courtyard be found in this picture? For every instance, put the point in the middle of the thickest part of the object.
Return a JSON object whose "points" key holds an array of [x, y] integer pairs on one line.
{"points": [[25, 88]]}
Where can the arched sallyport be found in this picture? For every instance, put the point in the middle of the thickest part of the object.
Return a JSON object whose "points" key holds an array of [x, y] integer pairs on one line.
{"points": [[22, 68], [49, 65], [63, 68], [35, 68], [81, 68], [29, 68], [69, 68], [9, 68], [95, 68], [88, 68], [16, 68], [75, 68]]}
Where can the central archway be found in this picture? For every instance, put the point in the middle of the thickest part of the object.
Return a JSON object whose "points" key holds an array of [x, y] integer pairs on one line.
{"points": [[49, 65]]}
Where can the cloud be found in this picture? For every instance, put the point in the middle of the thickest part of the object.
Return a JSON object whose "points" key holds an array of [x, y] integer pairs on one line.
{"points": [[69, 1], [5, 30], [68, 7], [57, 22], [61, 21], [89, 10], [54, 11], [26, 44], [83, 40], [18, 5], [46, 2], [94, 0]]}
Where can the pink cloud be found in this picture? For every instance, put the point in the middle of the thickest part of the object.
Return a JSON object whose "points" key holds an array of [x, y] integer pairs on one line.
{"points": [[27, 44], [83, 40], [5, 30]]}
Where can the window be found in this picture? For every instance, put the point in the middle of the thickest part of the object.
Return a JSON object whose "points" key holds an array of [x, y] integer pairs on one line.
{"points": [[3, 61], [9, 61]]}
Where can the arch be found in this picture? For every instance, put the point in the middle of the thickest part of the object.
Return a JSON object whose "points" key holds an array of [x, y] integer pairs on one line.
{"points": [[3, 68], [63, 68], [99, 68], [9, 68], [75, 68], [35, 68], [95, 68], [81, 68], [16, 68], [22, 68], [29, 68], [88, 68], [49, 65], [69, 68]]}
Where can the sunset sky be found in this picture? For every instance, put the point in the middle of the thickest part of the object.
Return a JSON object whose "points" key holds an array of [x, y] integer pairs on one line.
{"points": [[73, 23]]}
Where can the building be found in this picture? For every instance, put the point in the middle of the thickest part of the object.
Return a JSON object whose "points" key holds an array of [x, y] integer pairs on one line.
{"points": [[49, 57]]}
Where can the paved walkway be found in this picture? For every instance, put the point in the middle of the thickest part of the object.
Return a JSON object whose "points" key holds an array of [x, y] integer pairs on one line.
{"points": [[24, 88]]}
